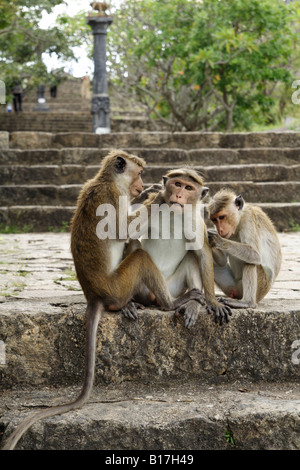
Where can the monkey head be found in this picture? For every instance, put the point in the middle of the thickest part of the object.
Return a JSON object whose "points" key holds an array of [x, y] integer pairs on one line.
{"points": [[125, 170], [183, 186], [225, 210]]}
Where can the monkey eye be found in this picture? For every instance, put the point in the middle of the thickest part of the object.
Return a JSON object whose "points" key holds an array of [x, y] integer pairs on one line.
{"points": [[178, 184], [221, 217], [189, 188]]}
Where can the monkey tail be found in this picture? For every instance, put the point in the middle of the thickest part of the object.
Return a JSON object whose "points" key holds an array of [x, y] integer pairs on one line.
{"points": [[93, 313]]}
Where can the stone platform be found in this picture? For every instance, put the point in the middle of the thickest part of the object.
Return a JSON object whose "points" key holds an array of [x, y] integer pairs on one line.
{"points": [[158, 385]]}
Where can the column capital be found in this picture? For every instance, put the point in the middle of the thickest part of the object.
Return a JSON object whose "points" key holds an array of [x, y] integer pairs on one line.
{"points": [[99, 24]]}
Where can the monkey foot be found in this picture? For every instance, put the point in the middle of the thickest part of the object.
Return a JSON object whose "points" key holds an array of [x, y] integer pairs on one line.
{"points": [[221, 312], [130, 310], [236, 303], [190, 311], [193, 294]]}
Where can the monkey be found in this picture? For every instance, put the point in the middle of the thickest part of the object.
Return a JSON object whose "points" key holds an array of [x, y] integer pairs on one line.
{"points": [[108, 281], [181, 267], [246, 249]]}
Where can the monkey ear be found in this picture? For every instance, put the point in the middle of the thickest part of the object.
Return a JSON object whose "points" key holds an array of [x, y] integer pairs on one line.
{"points": [[165, 179], [239, 202], [120, 164], [204, 192]]}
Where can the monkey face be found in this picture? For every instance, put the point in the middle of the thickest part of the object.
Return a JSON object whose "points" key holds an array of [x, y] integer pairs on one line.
{"points": [[225, 222], [180, 191], [136, 185]]}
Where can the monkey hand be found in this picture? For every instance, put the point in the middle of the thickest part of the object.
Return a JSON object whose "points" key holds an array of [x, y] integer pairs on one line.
{"points": [[155, 188], [190, 312], [130, 310], [214, 239], [221, 312]]}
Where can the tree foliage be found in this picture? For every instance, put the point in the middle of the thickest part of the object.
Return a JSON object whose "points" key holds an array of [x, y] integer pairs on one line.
{"points": [[23, 42], [205, 65]]}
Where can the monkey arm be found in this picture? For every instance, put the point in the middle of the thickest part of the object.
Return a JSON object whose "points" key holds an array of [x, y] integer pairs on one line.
{"points": [[243, 251], [205, 258], [155, 188], [220, 258]]}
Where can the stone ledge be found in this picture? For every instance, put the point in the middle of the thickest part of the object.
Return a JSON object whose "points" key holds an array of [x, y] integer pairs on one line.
{"points": [[44, 343], [190, 416], [185, 140], [4, 140]]}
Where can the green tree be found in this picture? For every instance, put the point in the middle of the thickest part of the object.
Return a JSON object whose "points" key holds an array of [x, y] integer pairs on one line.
{"points": [[23, 42], [205, 65]]}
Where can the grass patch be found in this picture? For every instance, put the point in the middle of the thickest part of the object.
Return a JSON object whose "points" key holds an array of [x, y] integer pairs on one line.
{"points": [[4, 228]]}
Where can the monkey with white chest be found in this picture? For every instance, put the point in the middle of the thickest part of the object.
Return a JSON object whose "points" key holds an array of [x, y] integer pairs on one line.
{"points": [[246, 250], [183, 265]]}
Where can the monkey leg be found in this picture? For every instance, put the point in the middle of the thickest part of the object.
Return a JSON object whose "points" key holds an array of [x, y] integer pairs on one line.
{"points": [[249, 289], [187, 276], [136, 270], [227, 283]]}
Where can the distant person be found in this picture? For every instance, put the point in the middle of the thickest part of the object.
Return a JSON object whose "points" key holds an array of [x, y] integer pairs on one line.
{"points": [[17, 97], [53, 91], [86, 88]]}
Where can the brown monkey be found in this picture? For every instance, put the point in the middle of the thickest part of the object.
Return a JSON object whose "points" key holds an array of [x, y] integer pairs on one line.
{"points": [[106, 280], [184, 267], [246, 249]]}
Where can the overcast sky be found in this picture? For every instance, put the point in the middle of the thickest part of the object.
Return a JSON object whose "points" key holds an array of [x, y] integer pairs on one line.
{"points": [[84, 65]]}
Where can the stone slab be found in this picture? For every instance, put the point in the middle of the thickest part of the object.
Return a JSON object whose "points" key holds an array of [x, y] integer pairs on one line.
{"points": [[184, 140], [130, 416], [4, 140]]}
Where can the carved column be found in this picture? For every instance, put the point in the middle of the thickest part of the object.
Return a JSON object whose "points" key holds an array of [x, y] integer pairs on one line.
{"points": [[100, 100]]}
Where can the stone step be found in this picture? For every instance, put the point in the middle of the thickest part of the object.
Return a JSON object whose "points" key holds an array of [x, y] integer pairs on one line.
{"points": [[44, 341], [144, 140], [156, 156], [50, 194], [76, 122], [74, 174], [167, 419], [285, 216]]}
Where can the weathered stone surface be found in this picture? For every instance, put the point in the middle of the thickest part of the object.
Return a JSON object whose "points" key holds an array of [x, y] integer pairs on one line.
{"points": [[161, 156], [30, 140], [193, 416], [155, 140], [4, 140], [46, 345]]}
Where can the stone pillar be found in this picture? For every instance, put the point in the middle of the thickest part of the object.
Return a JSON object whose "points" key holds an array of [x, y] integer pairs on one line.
{"points": [[100, 100], [41, 104]]}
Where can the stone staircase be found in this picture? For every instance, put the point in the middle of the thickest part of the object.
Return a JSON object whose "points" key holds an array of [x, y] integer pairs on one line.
{"points": [[41, 173], [70, 112]]}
